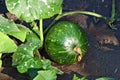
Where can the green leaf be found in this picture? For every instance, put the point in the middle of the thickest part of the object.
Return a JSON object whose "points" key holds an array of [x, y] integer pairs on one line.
{"points": [[30, 10], [105, 78], [29, 63], [77, 78], [56, 70], [7, 45], [33, 35], [21, 35], [46, 75], [24, 57], [7, 26], [47, 66], [15, 30]]}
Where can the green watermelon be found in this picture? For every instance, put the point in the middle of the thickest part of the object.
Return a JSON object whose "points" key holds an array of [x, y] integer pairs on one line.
{"points": [[66, 42]]}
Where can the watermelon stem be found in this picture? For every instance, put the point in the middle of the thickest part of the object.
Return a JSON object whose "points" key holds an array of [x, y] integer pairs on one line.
{"points": [[79, 52]]}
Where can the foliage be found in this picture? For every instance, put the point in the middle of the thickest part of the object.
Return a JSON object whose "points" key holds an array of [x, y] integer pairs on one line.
{"points": [[7, 45], [16, 30], [30, 10], [26, 55], [77, 78], [42, 75]]}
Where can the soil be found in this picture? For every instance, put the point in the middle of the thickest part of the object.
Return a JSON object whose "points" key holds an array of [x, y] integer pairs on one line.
{"points": [[103, 56]]}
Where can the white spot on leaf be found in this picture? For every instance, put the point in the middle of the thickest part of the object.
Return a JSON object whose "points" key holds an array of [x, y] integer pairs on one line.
{"points": [[18, 1], [14, 4], [48, 6], [25, 48], [28, 7], [28, 15], [45, 1], [40, 11], [31, 66], [25, 64], [8, 27]]}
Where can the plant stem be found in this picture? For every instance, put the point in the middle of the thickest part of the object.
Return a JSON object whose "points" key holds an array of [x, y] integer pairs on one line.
{"points": [[74, 12], [41, 29], [113, 10], [81, 12]]}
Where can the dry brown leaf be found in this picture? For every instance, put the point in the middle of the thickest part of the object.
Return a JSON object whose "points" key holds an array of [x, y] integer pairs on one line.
{"points": [[1, 69], [12, 17], [5, 77], [103, 36], [76, 67]]}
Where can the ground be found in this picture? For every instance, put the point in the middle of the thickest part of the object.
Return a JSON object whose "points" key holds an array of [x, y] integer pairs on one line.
{"points": [[102, 58]]}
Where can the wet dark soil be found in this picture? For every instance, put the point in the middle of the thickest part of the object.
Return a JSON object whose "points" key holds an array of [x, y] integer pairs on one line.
{"points": [[103, 56]]}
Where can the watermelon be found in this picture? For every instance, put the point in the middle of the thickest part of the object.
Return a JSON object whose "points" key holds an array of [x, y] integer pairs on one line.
{"points": [[66, 42]]}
